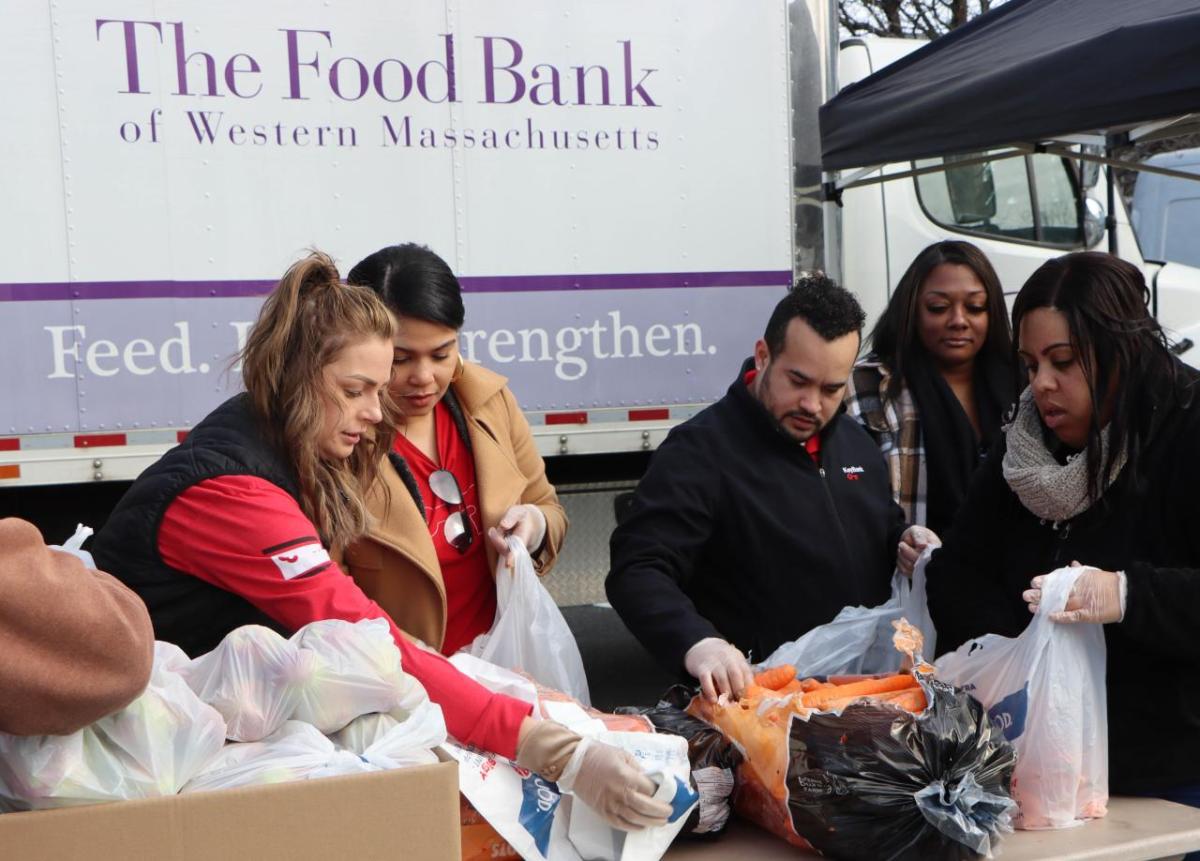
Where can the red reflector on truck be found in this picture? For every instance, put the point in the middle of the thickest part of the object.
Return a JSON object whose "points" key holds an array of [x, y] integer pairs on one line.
{"points": [[655, 415], [10, 471], [579, 418], [92, 440], [11, 443]]}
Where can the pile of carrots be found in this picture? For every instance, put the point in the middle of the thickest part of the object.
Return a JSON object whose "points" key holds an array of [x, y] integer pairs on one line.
{"points": [[835, 694]]}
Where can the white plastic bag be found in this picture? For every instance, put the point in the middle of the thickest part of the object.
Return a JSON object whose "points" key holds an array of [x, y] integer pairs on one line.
{"points": [[357, 671], [496, 679], [150, 748], [404, 736], [74, 545], [530, 633], [859, 639], [254, 678], [543, 824], [296, 751], [1045, 691]]}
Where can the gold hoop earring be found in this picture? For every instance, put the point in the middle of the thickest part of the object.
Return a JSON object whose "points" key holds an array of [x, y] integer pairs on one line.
{"points": [[458, 372]]}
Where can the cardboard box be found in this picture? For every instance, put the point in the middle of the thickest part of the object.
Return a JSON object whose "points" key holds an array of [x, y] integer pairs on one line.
{"points": [[409, 814]]}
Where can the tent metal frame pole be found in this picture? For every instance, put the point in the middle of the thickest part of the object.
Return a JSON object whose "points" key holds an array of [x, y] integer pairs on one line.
{"points": [[1110, 220], [856, 180]]}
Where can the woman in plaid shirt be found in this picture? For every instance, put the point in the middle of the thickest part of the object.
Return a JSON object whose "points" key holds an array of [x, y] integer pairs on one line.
{"points": [[938, 380]]}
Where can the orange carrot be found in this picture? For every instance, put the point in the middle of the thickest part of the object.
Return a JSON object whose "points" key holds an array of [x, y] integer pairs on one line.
{"points": [[912, 700], [753, 692], [819, 699], [810, 684], [775, 677], [795, 686]]}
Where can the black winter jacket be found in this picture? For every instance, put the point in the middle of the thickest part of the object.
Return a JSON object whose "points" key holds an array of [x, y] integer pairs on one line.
{"points": [[1150, 531], [186, 610], [735, 532]]}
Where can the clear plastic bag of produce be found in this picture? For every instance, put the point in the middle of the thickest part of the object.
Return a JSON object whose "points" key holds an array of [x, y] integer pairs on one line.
{"points": [[396, 739], [254, 678], [872, 776], [858, 640], [1045, 690], [356, 672], [296, 751], [150, 748], [530, 633]]}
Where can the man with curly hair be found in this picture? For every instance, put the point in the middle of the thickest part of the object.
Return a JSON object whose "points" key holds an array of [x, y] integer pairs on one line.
{"points": [[766, 513]]}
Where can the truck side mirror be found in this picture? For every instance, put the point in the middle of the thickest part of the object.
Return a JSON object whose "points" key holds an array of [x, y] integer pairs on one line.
{"points": [[972, 192], [1093, 221]]}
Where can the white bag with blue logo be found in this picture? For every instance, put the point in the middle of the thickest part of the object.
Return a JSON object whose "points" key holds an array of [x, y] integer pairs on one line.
{"points": [[543, 824], [859, 639], [1045, 691]]}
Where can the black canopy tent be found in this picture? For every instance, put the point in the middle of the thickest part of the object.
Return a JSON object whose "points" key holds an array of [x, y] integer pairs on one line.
{"points": [[1031, 75]]}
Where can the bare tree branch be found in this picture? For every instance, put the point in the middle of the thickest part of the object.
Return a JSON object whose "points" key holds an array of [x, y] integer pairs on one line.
{"points": [[920, 18]]}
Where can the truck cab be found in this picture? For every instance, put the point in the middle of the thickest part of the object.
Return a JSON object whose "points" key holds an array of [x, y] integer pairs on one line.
{"points": [[1019, 210]]}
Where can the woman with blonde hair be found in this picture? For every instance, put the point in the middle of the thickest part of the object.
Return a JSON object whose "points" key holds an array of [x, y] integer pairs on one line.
{"points": [[234, 525]]}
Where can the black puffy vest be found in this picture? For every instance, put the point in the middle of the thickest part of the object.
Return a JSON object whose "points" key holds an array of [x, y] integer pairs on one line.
{"points": [[186, 610]]}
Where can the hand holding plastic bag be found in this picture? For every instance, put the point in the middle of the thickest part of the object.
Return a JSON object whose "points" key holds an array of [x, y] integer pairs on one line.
{"points": [[1095, 597], [1046, 691], [530, 633]]}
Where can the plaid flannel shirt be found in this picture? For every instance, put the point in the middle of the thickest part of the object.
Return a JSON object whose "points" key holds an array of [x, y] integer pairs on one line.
{"points": [[896, 429]]}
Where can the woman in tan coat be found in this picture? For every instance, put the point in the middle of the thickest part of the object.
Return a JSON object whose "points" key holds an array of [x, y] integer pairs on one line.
{"points": [[463, 472]]}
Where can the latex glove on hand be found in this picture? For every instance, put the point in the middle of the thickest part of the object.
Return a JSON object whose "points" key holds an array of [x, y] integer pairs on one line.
{"points": [[521, 521], [605, 778], [1096, 596], [914, 540], [720, 668]]}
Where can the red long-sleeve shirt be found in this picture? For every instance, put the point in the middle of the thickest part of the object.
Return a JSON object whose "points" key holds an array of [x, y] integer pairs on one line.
{"points": [[248, 536]]}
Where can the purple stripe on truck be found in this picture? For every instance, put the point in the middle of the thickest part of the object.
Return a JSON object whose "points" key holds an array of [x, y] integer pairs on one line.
{"points": [[131, 290], [59, 290]]}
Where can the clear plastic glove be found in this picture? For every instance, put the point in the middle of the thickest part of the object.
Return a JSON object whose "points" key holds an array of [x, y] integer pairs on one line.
{"points": [[610, 781], [1097, 596], [719, 667], [912, 542], [521, 521]]}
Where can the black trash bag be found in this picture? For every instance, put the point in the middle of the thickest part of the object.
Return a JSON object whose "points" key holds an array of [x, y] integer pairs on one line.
{"points": [[873, 784], [714, 759]]}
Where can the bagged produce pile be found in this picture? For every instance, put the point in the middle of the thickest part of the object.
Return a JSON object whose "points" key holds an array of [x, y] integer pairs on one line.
{"points": [[899, 766], [1045, 690], [259, 690], [150, 748], [714, 759]]}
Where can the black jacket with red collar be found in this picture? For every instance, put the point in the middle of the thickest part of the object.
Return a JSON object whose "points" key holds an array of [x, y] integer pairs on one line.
{"points": [[736, 532]]}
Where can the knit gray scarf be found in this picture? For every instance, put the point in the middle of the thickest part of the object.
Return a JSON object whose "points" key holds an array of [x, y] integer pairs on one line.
{"points": [[1051, 490]]}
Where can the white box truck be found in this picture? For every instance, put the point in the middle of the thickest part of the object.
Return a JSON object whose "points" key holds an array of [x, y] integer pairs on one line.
{"points": [[625, 189]]}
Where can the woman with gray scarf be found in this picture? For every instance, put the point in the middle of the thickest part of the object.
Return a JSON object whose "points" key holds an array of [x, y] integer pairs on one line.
{"points": [[1099, 466]]}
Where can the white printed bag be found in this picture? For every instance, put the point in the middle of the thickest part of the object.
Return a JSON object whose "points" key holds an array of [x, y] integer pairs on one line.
{"points": [[1045, 691]]}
